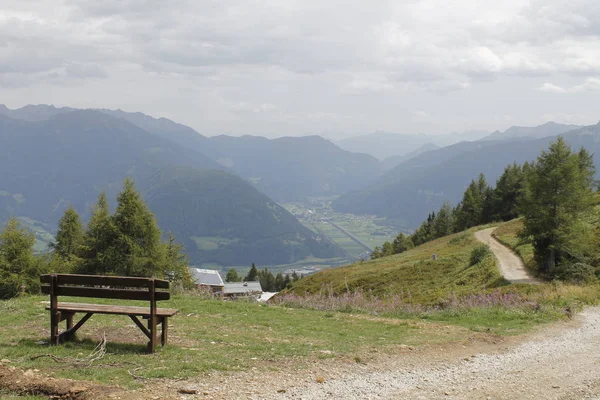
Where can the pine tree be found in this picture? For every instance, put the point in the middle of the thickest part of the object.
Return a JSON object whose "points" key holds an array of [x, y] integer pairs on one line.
{"points": [[69, 237], [558, 189], [98, 240], [376, 253], [508, 193], [19, 269], [387, 249], [176, 268], [252, 274], [137, 245], [279, 282], [232, 276], [443, 224], [402, 243]]}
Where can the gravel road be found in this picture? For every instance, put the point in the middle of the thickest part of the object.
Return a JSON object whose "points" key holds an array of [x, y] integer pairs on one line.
{"points": [[553, 364], [511, 266]]}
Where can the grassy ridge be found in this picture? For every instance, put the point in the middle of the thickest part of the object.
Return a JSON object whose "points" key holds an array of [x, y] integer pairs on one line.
{"points": [[508, 235], [414, 275]]}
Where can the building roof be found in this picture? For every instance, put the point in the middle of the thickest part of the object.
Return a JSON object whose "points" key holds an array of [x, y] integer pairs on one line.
{"points": [[242, 287], [207, 277]]}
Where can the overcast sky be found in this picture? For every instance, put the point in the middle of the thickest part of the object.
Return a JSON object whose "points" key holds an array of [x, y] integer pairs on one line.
{"points": [[293, 67]]}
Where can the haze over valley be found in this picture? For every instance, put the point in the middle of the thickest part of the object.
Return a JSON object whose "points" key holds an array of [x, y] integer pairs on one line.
{"points": [[300, 203]]}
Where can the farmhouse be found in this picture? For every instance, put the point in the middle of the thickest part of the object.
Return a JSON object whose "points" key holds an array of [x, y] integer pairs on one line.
{"points": [[207, 278]]}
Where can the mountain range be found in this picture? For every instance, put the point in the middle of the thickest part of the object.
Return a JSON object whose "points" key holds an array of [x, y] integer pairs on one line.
{"points": [[68, 157], [414, 188]]}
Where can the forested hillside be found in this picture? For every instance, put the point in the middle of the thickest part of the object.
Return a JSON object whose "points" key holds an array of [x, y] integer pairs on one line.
{"points": [[415, 188], [71, 156]]}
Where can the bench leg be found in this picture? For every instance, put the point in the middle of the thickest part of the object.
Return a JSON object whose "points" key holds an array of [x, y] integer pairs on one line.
{"points": [[54, 320], [152, 330], [163, 334]]}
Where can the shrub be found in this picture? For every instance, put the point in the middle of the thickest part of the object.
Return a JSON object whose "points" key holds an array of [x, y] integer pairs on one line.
{"points": [[576, 273], [478, 254]]}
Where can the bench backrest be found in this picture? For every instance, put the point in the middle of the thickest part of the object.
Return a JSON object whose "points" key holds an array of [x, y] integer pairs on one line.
{"points": [[105, 287]]}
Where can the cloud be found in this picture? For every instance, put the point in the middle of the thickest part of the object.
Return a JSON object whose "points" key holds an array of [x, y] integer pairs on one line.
{"points": [[591, 84], [549, 87], [310, 58]]}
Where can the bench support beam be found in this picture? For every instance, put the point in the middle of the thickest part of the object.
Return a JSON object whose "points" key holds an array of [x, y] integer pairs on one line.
{"points": [[69, 333], [140, 325]]}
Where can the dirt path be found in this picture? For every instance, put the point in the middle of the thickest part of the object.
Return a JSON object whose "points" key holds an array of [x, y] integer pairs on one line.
{"points": [[511, 266]]}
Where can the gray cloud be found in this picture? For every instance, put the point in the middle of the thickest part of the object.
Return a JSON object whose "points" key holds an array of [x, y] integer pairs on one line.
{"points": [[287, 67]]}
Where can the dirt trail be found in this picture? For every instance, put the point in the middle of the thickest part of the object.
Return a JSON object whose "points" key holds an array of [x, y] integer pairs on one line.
{"points": [[511, 266]]}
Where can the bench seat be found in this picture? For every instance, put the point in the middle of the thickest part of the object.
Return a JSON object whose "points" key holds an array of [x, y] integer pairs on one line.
{"points": [[110, 309]]}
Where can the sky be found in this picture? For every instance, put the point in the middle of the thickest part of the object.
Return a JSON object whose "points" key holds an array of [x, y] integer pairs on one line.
{"points": [[295, 67]]}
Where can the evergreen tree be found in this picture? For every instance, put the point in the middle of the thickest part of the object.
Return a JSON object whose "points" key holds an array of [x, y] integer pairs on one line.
{"points": [[508, 193], [267, 280], [387, 249], [252, 274], [295, 276], [376, 253], [287, 281], [19, 268], [402, 243], [558, 189], [69, 237], [470, 209], [98, 240], [232, 276], [176, 267], [137, 245], [443, 224], [279, 282]]}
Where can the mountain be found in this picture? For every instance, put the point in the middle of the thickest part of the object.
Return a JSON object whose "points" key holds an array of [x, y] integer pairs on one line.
{"points": [[286, 169], [163, 127], [392, 161], [293, 168], [383, 145], [34, 112], [535, 132], [407, 193], [225, 220], [71, 156]]}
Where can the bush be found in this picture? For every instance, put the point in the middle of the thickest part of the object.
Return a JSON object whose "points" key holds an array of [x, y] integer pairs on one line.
{"points": [[479, 253], [576, 273]]}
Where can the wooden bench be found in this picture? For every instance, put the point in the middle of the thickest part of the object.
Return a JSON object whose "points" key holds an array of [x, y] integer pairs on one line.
{"points": [[106, 287]]}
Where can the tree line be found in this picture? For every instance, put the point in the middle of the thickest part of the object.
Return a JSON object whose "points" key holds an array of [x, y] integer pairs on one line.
{"points": [[127, 242], [268, 281], [552, 195]]}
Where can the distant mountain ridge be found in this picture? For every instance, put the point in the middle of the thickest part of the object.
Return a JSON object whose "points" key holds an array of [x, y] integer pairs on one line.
{"points": [[384, 145], [68, 157], [414, 188], [535, 132]]}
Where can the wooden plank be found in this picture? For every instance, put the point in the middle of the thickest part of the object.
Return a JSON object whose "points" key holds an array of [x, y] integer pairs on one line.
{"points": [[105, 293], [102, 280], [112, 309]]}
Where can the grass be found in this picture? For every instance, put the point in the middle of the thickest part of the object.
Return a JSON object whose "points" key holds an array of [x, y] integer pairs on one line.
{"points": [[207, 335], [508, 234], [347, 313], [413, 275]]}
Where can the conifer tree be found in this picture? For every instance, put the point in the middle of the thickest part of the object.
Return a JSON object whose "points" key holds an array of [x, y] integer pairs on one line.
{"points": [[69, 236], [176, 267], [279, 282], [19, 269], [252, 274], [137, 245], [558, 189], [402, 243], [97, 247]]}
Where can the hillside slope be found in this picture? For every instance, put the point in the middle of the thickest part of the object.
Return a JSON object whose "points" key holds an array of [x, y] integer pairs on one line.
{"points": [[72, 156], [413, 275]]}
